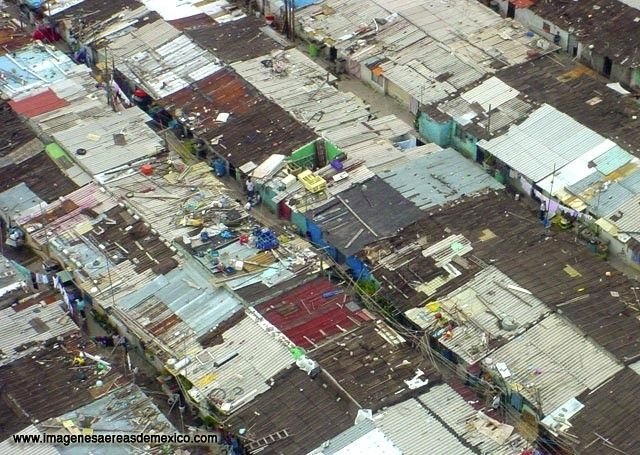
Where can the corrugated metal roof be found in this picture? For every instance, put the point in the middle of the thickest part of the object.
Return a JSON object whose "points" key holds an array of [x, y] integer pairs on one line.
{"points": [[9, 447], [185, 293], [162, 59], [414, 430], [480, 307], [299, 85], [612, 159], [372, 441], [229, 40], [31, 326], [110, 414], [96, 136], [551, 362], [186, 8], [259, 352], [37, 104], [491, 94], [576, 170], [346, 440], [626, 216], [430, 50], [310, 313], [546, 140], [438, 178], [161, 213], [15, 201], [272, 129], [456, 412]]}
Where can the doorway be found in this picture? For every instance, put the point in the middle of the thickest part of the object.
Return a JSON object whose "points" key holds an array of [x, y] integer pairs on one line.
{"points": [[511, 10], [606, 67]]}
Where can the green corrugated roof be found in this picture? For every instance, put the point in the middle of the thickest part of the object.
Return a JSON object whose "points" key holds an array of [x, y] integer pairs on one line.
{"points": [[55, 151]]}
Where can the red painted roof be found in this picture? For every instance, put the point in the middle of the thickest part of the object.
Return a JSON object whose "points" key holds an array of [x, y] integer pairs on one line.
{"points": [[306, 317], [523, 3], [31, 106]]}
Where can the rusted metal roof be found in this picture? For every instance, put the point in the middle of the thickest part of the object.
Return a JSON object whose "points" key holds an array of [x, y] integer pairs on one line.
{"points": [[39, 103], [233, 41], [580, 93], [47, 385], [602, 424], [256, 127], [14, 132], [184, 24], [502, 234], [11, 38], [609, 25], [311, 313], [40, 174], [374, 346], [312, 411]]}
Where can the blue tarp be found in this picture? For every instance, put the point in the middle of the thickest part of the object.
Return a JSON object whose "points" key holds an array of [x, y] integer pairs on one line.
{"points": [[35, 4], [299, 4]]}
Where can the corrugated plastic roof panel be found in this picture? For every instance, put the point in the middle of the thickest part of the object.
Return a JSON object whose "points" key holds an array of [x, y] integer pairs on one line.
{"points": [[610, 200], [34, 66], [632, 181], [574, 171], [555, 362]]}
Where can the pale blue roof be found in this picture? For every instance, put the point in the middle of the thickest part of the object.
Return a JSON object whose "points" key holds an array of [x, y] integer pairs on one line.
{"points": [[608, 201], [585, 183], [438, 178], [632, 182], [18, 198], [32, 67], [612, 159]]}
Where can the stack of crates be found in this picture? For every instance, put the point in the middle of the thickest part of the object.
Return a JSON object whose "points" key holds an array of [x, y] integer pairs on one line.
{"points": [[312, 182]]}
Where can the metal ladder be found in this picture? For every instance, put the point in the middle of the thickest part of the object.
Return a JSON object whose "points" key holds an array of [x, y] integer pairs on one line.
{"points": [[264, 442]]}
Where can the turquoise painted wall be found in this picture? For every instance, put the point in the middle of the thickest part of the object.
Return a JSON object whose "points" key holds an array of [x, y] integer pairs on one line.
{"points": [[267, 194], [464, 142], [300, 222], [438, 133]]}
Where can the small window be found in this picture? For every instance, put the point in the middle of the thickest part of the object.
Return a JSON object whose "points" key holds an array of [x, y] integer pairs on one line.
{"points": [[376, 79], [546, 27]]}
